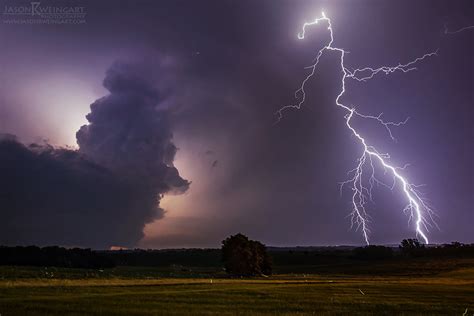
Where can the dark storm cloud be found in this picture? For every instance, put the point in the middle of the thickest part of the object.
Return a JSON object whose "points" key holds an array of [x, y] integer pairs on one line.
{"points": [[104, 193], [58, 196]]}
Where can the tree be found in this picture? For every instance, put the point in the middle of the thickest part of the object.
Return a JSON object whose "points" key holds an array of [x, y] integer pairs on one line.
{"points": [[242, 256], [411, 246]]}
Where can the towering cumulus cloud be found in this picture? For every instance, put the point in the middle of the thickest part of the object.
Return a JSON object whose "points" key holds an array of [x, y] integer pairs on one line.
{"points": [[104, 193], [129, 133]]}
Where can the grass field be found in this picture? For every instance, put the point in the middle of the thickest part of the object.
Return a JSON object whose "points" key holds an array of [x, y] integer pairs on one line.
{"points": [[148, 291]]}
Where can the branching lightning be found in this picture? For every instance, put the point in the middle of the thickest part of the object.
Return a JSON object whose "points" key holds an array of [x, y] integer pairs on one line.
{"points": [[447, 31], [417, 207]]}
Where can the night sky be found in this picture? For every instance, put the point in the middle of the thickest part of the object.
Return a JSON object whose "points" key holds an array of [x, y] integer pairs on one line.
{"points": [[152, 124]]}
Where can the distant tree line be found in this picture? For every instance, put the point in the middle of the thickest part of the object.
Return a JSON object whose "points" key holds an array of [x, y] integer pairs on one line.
{"points": [[87, 258], [166, 257], [55, 257], [373, 252], [413, 248], [238, 255]]}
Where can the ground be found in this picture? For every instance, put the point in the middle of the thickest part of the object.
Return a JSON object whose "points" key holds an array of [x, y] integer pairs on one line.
{"points": [[178, 291]]}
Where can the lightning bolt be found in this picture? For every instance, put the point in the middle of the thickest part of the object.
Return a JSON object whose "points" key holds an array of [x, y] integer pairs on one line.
{"points": [[417, 207], [447, 31]]}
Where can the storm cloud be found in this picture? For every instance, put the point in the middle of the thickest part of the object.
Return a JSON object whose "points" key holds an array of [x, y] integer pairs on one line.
{"points": [[105, 192], [214, 74], [129, 133]]}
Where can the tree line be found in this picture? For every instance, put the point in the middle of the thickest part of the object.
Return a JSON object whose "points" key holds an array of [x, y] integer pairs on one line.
{"points": [[54, 257], [239, 255]]}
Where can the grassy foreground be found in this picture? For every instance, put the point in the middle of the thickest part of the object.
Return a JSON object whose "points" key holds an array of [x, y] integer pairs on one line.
{"points": [[39, 292]]}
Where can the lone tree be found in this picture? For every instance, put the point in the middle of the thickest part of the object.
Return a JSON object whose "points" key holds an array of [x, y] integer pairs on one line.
{"points": [[243, 256], [411, 247]]}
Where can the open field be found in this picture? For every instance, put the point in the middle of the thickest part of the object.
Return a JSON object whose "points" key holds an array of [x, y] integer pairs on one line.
{"points": [[149, 291]]}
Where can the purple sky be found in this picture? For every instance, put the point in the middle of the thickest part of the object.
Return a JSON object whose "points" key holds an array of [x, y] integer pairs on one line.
{"points": [[207, 77]]}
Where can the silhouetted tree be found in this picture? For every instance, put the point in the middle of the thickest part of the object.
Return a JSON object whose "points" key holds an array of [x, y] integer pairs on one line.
{"points": [[243, 256], [411, 247], [455, 244]]}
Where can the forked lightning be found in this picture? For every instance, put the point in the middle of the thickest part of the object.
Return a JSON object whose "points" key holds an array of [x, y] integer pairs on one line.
{"points": [[361, 184]]}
